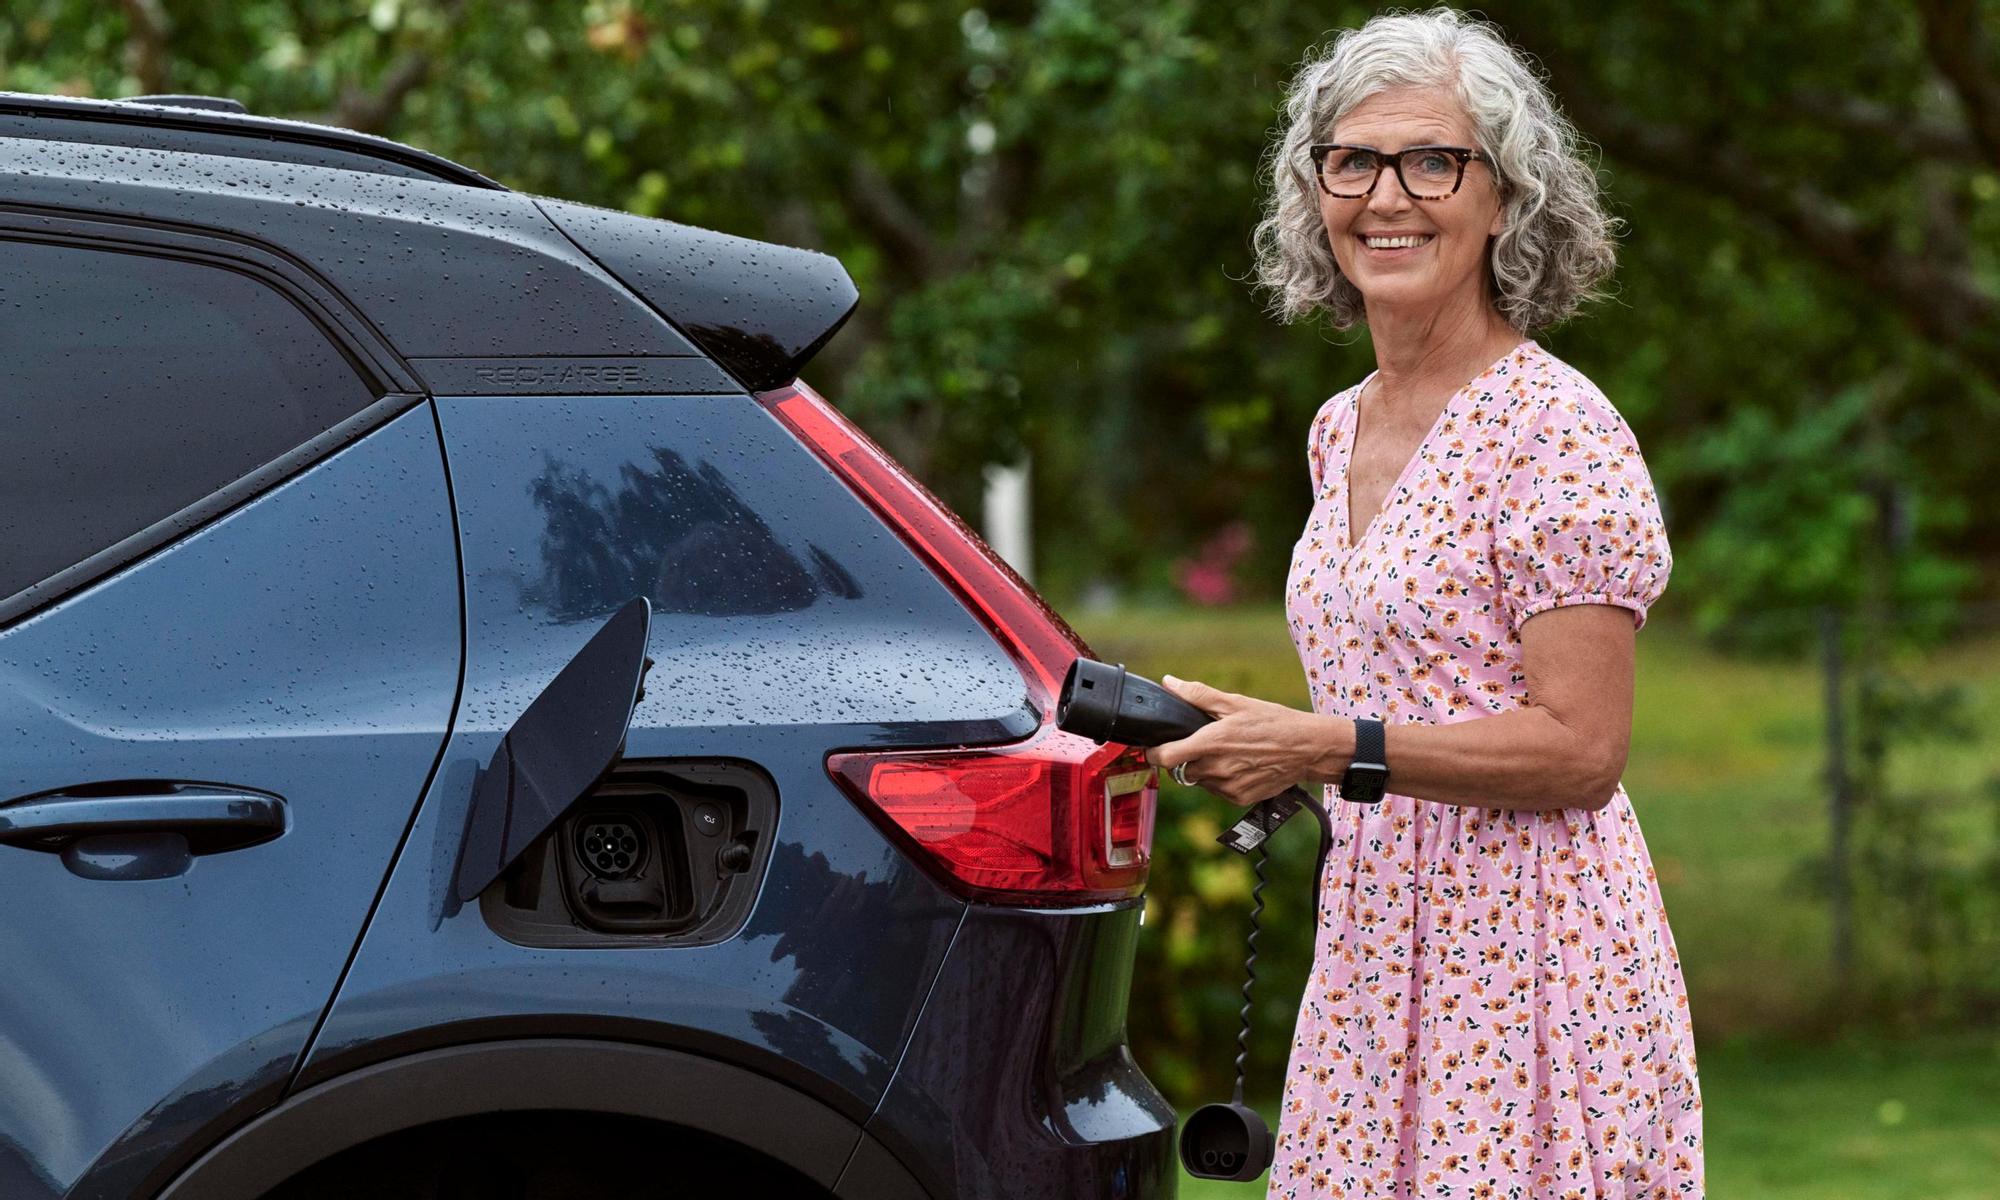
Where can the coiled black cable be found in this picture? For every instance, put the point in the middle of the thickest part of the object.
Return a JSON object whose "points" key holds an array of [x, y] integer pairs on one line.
{"points": [[1257, 911], [1107, 704], [1250, 970]]}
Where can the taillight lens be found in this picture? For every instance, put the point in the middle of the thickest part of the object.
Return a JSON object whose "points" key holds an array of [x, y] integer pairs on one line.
{"points": [[1055, 819]]}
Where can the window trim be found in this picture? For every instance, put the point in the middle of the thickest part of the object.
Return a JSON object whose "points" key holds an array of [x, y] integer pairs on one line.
{"points": [[364, 345], [377, 365]]}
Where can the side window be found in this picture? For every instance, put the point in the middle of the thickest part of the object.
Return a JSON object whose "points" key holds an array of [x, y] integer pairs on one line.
{"points": [[133, 386]]}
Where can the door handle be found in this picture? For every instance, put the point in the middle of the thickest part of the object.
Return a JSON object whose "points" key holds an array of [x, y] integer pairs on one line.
{"points": [[211, 818]]}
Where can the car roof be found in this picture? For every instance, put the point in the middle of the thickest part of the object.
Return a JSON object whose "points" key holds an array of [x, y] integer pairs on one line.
{"points": [[152, 124], [454, 271]]}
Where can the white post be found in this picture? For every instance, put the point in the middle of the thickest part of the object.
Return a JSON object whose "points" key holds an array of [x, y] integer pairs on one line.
{"points": [[1007, 520]]}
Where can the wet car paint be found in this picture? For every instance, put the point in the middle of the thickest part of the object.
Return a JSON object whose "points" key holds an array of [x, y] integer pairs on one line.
{"points": [[787, 622], [305, 645], [793, 623]]}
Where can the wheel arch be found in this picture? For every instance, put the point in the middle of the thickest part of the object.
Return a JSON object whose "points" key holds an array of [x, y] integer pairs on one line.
{"points": [[581, 1075]]}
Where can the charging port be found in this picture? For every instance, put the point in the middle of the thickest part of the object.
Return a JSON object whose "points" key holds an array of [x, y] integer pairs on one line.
{"points": [[662, 851], [609, 846]]}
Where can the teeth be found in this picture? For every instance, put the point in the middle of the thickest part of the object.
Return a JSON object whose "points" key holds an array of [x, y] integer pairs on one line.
{"points": [[1396, 243]]}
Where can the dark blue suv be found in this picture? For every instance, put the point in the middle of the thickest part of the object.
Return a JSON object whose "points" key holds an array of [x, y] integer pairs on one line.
{"points": [[473, 724]]}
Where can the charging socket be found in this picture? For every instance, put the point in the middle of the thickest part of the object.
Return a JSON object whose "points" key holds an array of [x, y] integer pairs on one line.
{"points": [[659, 851], [622, 866]]}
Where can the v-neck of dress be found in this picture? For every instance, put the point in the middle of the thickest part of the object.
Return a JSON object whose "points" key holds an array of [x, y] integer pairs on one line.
{"points": [[1352, 427]]}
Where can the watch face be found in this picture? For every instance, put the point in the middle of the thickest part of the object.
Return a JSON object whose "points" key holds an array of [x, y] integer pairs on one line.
{"points": [[1364, 785]]}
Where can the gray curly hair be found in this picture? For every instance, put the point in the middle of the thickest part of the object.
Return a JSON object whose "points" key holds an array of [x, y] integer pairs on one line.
{"points": [[1556, 246]]}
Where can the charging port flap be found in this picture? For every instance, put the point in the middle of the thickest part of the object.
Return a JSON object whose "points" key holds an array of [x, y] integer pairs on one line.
{"points": [[566, 740]]}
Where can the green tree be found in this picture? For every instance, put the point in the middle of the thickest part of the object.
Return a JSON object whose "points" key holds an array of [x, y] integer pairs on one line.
{"points": [[1047, 207]]}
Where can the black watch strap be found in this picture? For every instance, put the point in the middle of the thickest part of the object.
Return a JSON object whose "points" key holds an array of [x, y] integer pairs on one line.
{"points": [[1367, 774]]}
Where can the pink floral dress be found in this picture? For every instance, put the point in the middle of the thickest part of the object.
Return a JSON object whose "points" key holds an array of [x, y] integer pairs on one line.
{"points": [[1496, 1009]]}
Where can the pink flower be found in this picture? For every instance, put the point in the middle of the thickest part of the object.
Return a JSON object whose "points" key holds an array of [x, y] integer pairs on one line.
{"points": [[1209, 577]]}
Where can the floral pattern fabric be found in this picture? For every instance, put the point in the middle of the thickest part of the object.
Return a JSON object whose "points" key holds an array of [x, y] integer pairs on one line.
{"points": [[1496, 1009]]}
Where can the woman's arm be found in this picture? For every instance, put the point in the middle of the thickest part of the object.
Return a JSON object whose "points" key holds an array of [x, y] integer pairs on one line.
{"points": [[1565, 749]]}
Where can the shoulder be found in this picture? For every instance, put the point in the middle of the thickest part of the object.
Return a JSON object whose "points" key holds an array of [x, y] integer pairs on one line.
{"points": [[1328, 416], [1320, 438], [1559, 412]]}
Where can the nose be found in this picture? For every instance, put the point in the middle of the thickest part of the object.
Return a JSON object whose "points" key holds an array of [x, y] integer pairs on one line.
{"points": [[1388, 196]]}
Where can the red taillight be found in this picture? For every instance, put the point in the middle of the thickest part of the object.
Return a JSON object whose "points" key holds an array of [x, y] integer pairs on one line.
{"points": [[1055, 819], [1041, 641]]}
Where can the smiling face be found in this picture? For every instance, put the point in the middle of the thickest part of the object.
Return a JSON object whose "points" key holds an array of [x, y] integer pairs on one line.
{"points": [[1402, 253]]}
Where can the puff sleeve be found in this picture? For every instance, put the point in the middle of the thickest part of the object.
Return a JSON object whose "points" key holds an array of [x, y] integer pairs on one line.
{"points": [[1319, 446], [1577, 520]]}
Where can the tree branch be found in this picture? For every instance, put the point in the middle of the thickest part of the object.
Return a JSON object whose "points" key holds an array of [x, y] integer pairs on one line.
{"points": [[1945, 304], [994, 209], [371, 111], [1942, 301], [1946, 217], [1949, 141], [146, 53], [883, 213], [1956, 39]]}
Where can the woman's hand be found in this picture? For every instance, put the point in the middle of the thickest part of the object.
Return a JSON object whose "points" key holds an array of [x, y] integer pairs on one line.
{"points": [[1253, 750]]}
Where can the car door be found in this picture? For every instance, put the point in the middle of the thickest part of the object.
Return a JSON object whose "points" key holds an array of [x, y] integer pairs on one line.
{"points": [[229, 653]]}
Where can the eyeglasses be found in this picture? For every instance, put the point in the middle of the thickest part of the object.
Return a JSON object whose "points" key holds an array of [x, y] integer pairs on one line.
{"points": [[1427, 172]]}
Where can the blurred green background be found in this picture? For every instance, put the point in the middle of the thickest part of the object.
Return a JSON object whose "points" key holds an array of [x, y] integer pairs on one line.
{"points": [[1047, 207]]}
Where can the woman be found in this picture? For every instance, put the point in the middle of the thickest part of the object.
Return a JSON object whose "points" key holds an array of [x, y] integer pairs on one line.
{"points": [[1496, 1008]]}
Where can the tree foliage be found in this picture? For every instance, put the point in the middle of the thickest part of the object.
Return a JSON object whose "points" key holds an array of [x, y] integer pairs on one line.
{"points": [[1047, 206]]}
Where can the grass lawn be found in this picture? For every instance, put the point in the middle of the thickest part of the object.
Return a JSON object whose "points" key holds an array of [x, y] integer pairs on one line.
{"points": [[1865, 1119], [1725, 771]]}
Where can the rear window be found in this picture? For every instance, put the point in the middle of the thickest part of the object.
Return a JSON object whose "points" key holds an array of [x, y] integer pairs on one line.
{"points": [[778, 597], [132, 387]]}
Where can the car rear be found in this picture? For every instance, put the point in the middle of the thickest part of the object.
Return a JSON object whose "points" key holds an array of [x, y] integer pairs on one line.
{"points": [[888, 937], [1018, 1081], [946, 888], [941, 892]]}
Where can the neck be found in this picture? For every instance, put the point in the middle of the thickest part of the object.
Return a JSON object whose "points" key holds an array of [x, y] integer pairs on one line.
{"points": [[1442, 346]]}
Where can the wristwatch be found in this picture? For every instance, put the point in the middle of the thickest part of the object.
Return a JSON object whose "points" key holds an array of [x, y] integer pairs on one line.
{"points": [[1367, 775]]}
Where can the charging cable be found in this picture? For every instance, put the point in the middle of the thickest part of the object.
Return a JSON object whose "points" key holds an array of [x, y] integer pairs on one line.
{"points": [[1109, 704]]}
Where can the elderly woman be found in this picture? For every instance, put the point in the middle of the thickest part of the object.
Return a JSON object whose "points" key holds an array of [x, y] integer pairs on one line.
{"points": [[1496, 1008]]}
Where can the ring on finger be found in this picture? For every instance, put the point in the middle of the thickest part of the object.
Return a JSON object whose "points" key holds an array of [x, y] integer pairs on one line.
{"points": [[1180, 775]]}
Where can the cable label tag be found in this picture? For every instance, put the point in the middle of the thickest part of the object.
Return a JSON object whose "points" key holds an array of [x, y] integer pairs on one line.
{"points": [[1263, 820]]}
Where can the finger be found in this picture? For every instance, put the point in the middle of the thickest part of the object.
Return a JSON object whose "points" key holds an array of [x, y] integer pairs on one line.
{"points": [[1213, 701], [1237, 793], [1169, 755]]}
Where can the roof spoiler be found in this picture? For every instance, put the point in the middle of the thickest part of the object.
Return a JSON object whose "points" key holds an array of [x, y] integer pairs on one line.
{"points": [[759, 309]]}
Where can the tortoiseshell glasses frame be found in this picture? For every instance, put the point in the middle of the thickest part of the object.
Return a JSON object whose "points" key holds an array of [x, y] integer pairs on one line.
{"points": [[1426, 189]]}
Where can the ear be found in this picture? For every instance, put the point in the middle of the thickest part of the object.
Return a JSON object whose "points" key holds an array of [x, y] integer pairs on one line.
{"points": [[1499, 222]]}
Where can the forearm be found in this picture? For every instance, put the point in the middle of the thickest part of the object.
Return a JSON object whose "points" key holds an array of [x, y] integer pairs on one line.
{"points": [[1523, 759]]}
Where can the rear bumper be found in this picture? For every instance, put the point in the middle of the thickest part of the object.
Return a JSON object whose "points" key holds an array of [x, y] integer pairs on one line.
{"points": [[1017, 1082]]}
